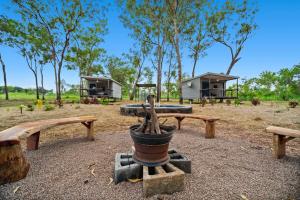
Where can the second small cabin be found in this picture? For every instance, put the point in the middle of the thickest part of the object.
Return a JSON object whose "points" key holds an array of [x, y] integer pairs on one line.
{"points": [[209, 85]]}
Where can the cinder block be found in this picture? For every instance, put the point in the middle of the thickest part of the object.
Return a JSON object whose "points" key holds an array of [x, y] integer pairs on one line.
{"points": [[165, 179], [180, 161], [126, 168]]}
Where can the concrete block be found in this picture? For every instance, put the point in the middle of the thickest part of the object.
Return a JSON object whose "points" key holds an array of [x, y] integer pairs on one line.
{"points": [[180, 161], [165, 179], [126, 168]]}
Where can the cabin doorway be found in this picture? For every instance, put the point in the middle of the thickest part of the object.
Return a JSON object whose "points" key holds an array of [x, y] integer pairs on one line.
{"points": [[205, 89]]}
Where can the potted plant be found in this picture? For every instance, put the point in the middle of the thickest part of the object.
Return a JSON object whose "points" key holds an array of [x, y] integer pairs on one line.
{"points": [[151, 139]]}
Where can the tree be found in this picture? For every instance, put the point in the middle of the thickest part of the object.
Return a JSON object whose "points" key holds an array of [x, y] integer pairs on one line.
{"points": [[179, 14], [136, 59], [232, 25], [198, 31], [86, 53], [118, 70], [6, 39], [60, 21], [147, 21], [170, 73]]}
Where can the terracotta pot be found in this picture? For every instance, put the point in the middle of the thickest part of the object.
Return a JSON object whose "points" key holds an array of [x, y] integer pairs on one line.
{"points": [[151, 150]]}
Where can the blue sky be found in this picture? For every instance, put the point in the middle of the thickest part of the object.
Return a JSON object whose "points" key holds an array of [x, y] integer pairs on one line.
{"points": [[274, 45]]}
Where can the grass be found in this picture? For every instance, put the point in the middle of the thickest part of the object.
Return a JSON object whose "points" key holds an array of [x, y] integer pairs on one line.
{"points": [[18, 98]]}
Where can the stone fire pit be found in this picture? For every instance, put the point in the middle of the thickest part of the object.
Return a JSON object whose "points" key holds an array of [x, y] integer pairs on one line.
{"points": [[137, 109]]}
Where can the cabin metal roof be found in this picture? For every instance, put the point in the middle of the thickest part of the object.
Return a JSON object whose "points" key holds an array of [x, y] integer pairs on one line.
{"points": [[213, 76], [93, 78]]}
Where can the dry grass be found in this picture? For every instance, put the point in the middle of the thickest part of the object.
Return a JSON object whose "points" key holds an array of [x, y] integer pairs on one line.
{"points": [[244, 121]]}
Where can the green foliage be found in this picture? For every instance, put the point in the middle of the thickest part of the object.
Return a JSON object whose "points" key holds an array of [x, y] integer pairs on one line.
{"points": [[237, 102], [228, 102], [293, 103], [282, 85], [30, 108], [255, 101], [48, 107]]}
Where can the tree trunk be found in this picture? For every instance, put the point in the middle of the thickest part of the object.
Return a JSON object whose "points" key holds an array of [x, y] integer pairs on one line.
{"points": [[42, 82], [135, 83], [176, 44], [230, 67], [158, 90], [194, 65], [4, 78], [36, 85]]}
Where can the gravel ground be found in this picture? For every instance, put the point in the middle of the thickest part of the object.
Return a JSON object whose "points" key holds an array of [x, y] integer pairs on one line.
{"points": [[222, 168]]}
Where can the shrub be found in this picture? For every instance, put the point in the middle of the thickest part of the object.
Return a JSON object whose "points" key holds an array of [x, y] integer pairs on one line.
{"points": [[48, 107], [212, 102], [203, 102], [293, 103], [237, 102], [228, 102], [30, 108], [85, 101], [77, 107], [255, 101]]}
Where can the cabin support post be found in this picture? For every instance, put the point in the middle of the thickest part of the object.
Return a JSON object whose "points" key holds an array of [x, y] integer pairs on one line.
{"points": [[209, 129], [237, 88], [33, 141]]}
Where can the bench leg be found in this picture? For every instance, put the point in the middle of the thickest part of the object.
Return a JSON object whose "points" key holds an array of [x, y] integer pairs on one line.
{"points": [[90, 130], [179, 119], [278, 145], [33, 141], [209, 129]]}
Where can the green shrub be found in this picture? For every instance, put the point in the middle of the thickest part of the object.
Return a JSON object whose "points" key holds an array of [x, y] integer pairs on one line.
{"points": [[237, 102], [255, 101], [228, 102], [48, 107], [30, 108], [203, 102], [293, 103]]}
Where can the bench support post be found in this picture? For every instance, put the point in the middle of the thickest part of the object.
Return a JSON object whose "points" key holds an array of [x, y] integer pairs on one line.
{"points": [[33, 141], [90, 130], [179, 119], [278, 145], [209, 129]]}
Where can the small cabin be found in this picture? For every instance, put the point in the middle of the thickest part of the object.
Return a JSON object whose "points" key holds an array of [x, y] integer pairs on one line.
{"points": [[100, 87], [209, 85]]}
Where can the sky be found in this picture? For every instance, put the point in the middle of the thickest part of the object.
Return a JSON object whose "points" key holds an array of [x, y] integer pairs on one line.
{"points": [[274, 45]]}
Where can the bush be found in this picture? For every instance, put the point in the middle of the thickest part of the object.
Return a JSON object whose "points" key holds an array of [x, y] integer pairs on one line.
{"points": [[48, 107], [30, 108], [77, 107], [203, 102], [237, 102], [228, 102], [255, 101], [293, 103], [212, 102]]}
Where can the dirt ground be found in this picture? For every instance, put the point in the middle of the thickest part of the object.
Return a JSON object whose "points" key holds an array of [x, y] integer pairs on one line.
{"points": [[237, 162]]}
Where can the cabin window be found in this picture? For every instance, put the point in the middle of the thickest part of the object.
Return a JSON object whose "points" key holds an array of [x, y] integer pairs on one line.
{"points": [[189, 84], [215, 86]]}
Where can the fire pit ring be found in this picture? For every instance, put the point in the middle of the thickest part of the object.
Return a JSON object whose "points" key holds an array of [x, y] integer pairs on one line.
{"points": [[137, 109]]}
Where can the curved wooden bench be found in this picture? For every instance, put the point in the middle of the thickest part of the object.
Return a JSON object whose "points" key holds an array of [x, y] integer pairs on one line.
{"points": [[209, 121], [13, 165], [280, 137]]}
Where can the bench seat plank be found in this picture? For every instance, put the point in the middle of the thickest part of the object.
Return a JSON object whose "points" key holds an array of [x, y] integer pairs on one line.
{"points": [[206, 118], [26, 129], [280, 137], [283, 131], [209, 121]]}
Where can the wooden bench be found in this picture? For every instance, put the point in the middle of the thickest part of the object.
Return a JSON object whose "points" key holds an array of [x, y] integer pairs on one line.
{"points": [[209, 121], [13, 165], [280, 137]]}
